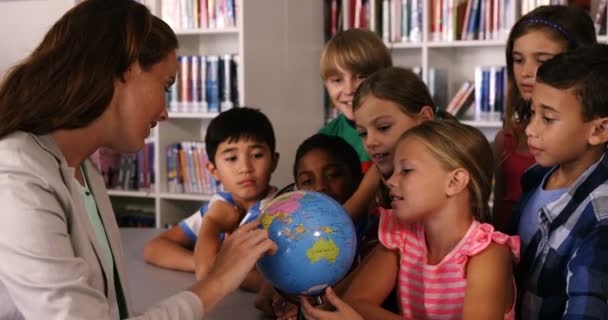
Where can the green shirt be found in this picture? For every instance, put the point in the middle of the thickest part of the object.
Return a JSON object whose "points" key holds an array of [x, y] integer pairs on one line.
{"points": [[343, 128]]}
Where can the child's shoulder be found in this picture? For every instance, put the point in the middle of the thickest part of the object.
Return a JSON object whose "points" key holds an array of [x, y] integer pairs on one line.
{"points": [[484, 240]]}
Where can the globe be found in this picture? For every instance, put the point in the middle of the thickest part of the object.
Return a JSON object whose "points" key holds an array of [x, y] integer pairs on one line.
{"points": [[316, 242]]}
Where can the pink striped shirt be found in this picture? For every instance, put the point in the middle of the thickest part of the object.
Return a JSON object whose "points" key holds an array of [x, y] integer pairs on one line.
{"points": [[436, 291]]}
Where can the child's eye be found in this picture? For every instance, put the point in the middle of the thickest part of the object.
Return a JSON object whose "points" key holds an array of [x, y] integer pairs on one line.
{"points": [[383, 128], [257, 155], [334, 174], [362, 133], [548, 120], [361, 77], [230, 159], [405, 171], [304, 183]]}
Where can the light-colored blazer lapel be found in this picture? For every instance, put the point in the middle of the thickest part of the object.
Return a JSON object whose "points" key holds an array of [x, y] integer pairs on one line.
{"points": [[108, 218], [97, 187]]}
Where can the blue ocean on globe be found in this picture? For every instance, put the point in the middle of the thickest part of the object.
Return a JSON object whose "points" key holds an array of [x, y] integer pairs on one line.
{"points": [[316, 242]]}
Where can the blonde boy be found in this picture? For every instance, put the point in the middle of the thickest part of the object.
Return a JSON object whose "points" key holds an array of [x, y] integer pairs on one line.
{"points": [[347, 59]]}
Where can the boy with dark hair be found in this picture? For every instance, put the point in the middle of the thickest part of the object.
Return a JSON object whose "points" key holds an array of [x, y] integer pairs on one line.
{"points": [[563, 214], [240, 144]]}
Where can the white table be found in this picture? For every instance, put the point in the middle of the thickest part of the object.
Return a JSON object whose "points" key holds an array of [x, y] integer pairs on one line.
{"points": [[150, 284]]}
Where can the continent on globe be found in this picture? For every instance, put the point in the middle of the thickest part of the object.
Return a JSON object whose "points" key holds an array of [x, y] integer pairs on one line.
{"points": [[323, 249]]}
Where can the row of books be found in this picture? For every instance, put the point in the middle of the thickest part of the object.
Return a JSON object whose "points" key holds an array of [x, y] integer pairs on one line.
{"points": [[401, 20], [134, 216], [126, 171], [187, 169], [394, 20], [471, 19], [195, 14], [529, 5], [205, 84], [486, 94]]}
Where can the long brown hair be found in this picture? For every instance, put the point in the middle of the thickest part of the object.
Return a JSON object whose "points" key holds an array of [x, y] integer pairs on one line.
{"points": [[401, 86], [568, 25], [68, 80]]}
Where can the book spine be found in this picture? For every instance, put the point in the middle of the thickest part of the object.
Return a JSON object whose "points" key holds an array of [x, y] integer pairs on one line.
{"points": [[386, 9], [227, 85], [203, 15], [195, 89], [203, 84], [213, 99]]}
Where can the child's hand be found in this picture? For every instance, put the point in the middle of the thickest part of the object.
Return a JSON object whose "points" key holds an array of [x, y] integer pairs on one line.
{"points": [[343, 310]]}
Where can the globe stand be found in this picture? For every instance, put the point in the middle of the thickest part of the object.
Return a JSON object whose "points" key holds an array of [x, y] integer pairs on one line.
{"points": [[316, 302]]}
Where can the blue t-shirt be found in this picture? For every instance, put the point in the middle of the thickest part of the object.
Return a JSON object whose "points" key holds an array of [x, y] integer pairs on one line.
{"points": [[529, 221], [191, 225]]}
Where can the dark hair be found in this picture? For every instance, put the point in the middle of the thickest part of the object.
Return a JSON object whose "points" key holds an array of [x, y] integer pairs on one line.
{"points": [[567, 24], [68, 80], [457, 145], [401, 86], [586, 71], [337, 149], [237, 123]]}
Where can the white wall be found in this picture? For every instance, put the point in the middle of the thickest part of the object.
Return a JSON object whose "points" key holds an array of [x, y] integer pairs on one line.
{"points": [[23, 23]]}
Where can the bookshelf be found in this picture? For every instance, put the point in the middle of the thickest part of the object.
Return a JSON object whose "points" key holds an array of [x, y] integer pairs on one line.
{"points": [[458, 57], [278, 44]]}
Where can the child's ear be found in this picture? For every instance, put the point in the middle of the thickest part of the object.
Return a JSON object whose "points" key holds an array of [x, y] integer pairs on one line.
{"points": [[425, 114], [213, 170], [275, 161], [459, 180], [599, 134]]}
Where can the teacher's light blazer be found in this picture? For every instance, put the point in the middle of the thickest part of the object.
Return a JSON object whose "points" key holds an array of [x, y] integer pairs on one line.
{"points": [[51, 266]]}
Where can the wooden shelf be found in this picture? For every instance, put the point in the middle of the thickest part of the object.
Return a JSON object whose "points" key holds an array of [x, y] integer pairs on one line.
{"points": [[192, 115], [404, 45], [131, 194], [466, 43], [483, 123], [195, 32], [185, 196]]}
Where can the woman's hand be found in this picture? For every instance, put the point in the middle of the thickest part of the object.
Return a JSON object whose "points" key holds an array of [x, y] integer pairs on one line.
{"points": [[343, 310], [237, 256]]}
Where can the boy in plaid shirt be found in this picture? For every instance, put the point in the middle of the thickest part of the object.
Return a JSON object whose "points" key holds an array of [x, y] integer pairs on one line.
{"points": [[562, 217]]}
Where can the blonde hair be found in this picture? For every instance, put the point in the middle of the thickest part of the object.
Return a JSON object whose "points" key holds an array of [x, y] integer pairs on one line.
{"points": [[456, 145], [357, 50]]}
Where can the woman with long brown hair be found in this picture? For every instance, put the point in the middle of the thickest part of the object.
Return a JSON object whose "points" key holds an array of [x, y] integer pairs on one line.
{"points": [[97, 79]]}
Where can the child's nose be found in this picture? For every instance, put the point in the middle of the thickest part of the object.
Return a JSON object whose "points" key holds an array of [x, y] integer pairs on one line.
{"points": [[529, 69], [530, 128], [246, 166], [321, 185], [371, 140], [351, 86]]}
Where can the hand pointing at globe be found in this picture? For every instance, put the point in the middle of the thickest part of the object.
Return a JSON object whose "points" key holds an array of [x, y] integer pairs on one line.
{"points": [[238, 255]]}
